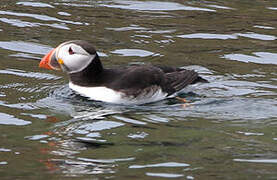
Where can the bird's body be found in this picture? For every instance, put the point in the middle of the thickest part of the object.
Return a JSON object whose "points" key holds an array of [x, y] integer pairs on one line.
{"points": [[137, 84]]}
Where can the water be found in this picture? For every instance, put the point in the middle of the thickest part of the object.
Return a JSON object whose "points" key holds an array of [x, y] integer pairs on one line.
{"points": [[226, 131]]}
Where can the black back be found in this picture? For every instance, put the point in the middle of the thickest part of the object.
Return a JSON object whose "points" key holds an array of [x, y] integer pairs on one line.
{"points": [[133, 80]]}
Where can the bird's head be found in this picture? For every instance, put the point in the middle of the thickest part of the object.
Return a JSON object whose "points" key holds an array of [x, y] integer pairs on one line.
{"points": [[72, 56]]}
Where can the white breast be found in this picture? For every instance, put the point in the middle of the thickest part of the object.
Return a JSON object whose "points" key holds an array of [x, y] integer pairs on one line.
{"points": [[111, 96]]}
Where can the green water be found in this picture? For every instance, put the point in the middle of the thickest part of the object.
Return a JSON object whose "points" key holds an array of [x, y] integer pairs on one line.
{"points": [[227, 131]]}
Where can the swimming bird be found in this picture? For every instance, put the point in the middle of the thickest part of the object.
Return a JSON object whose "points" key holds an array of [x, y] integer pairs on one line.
{"points": [[135, 84]]}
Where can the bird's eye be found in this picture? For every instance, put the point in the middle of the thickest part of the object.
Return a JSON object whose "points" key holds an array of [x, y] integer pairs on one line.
{"points": [[70, 51]]}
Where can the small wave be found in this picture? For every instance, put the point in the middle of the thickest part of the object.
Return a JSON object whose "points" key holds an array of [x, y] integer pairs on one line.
{"points": [[25, 47], [35, 75], [164, 175], [167, 164], [152, 6], [6, 119], [39, 17], [134, 52], [259, 58], [35, 4]]}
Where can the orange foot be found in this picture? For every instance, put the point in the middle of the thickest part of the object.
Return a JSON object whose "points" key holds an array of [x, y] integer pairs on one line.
{"points": [[181, 99], [186, 102]]}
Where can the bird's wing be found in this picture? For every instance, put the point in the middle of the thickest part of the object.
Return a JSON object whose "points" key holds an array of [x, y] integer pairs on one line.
{"points": [[176, 81], [138, 78]]}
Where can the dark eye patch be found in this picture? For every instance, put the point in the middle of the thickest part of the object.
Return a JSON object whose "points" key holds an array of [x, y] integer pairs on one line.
{"points": [[70, 51]]}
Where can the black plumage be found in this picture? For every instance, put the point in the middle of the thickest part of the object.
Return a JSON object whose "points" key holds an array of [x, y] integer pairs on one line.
{"points": [[136, 80], [134, 83]]}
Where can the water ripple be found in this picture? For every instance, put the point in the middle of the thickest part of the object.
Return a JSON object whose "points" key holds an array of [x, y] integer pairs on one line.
{"points": [[6, 119], [5, 150], [263, 27], [100, 125], [167, 164], [274, 161], [36, 137], [26, 47], [251, 35], [89, 166], [39, 17], [259, 58], [219, 7], [232, 117], [129, 28], [20, 23], [64, 13], [3, 162], [164, 175], [129, 120], [208, 36], [35, 75], [272, 8], [138, 135], [34, 4], [134, 52], [77, 5], [152, 6], [22, 106], [106, 160]]}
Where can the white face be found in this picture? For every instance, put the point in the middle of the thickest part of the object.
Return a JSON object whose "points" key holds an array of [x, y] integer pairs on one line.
{"points": [[73, 58]]}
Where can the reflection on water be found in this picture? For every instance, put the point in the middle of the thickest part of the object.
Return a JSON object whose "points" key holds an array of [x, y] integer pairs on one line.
{"points": [[208, 36], [260, 57], [133, 52], [152, 6], [264, 27], [168, 164], [35, 4], [227, 125], [219, 7], [257, 160], [26, 47], [165, 175], [231, 36], [11, 120], [35, 75], [38, 17]]}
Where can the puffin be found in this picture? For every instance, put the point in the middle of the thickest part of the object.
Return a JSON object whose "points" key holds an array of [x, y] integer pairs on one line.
{"points": [[133, 84]]}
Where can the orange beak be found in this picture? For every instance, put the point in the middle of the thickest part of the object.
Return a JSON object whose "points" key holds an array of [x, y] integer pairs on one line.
{"points": [[46, 60]]}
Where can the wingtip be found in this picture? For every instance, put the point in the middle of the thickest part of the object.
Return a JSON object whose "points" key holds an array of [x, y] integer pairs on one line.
{"points": [[201, 80]]}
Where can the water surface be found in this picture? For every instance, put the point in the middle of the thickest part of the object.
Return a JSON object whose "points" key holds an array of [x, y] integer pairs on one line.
{"points": [[227, 130]]}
